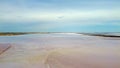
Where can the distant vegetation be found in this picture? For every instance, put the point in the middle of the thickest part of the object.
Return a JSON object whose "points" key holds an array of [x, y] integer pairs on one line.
{"points": [[19, 33], [22, 33], [11, 34], [101, 35]]}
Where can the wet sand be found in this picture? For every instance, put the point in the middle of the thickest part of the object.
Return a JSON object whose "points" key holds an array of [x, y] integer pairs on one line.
{"points": [[60, 51], [4, 47]]}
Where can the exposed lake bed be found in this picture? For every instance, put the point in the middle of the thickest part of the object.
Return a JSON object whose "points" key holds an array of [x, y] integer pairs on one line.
{"points": [[60, 50]]}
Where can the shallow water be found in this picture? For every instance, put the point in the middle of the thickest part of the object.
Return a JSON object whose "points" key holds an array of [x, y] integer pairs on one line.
{"points": [[43, 50]]}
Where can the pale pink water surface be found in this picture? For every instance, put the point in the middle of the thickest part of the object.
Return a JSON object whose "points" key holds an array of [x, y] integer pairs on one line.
{"points": [[60, 50]]}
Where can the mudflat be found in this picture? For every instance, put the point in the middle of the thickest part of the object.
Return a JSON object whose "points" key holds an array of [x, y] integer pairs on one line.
{"points": [[59, 50], [4, 47]]}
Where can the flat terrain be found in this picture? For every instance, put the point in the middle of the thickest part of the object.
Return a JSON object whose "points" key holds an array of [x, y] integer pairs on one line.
{"points": [[4, 47], [59, 50]]}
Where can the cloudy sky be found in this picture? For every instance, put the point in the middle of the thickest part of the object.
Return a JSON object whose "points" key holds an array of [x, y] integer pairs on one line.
{"points": [[59, 15]]}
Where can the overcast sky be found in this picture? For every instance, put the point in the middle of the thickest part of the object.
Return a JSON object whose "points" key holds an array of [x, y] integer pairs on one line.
{"points": [[59, 15]]}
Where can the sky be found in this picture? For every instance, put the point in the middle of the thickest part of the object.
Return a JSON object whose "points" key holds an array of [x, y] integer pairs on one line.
{"points": [[59, 15]]}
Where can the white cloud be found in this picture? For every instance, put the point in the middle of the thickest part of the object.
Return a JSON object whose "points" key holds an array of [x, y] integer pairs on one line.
{"points": [[66, 16], [20, 11]]}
